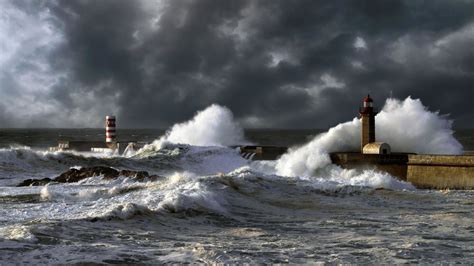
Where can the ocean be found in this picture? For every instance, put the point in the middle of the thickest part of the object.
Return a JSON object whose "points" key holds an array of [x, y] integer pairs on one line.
{"points": [[213, 206]]}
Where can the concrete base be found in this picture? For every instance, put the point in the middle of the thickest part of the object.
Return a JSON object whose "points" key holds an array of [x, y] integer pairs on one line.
{"points": [[441, 171], [94, 146], [395, 164], [423, 171], [102, 150]]}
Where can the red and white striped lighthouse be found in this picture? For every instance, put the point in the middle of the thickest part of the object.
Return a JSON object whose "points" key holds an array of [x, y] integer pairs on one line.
{"points": [[110, 136]]}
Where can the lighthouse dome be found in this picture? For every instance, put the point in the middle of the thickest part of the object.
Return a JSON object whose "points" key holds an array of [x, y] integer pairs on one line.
{"points": [[368, 99]]}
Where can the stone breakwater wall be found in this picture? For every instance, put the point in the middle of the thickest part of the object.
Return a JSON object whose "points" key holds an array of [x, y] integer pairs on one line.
{"points": [[441, 171], [423, 171]]}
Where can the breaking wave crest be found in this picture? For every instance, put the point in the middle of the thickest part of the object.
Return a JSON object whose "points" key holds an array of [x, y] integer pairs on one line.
{"points": [[232, 195], [213, 126]]}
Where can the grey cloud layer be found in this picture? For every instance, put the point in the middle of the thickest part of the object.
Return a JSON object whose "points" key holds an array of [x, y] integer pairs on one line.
{"points": [[279, 64]]}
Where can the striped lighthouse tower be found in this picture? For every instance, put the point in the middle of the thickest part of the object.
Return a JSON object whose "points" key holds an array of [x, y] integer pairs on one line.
{"points": [[110, 137]]}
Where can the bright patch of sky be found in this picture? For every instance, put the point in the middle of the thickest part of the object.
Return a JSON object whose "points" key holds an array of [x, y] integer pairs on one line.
{"points": [[360, 44]]}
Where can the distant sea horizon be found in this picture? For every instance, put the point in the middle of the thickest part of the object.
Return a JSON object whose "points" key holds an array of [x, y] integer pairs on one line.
{"points": [[46, 137]]}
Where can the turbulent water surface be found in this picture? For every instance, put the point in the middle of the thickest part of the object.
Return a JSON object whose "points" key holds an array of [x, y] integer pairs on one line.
{"points": [[214, 206]]}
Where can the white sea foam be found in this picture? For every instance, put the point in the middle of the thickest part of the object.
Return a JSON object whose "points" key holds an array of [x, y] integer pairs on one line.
{"points": [[211, 160], [18, 233], [127, 211], [79, 193], [213, 126], [186, 191], [45, 194], [24, 158], [407, 126], [362, 178], [201, 143]]}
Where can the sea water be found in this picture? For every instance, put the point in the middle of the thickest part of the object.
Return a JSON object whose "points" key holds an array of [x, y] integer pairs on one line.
{"points": [[213, 206]]}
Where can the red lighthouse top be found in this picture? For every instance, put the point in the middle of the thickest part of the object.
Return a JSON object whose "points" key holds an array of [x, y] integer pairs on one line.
{"points": [[368, 106], [368, 99]]}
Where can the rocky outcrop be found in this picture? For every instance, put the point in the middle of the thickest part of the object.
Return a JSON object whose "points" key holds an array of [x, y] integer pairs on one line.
{"points": [[75, 175], [35, 182]]}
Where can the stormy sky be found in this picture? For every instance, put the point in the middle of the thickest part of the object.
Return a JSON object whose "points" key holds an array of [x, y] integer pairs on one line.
{"points": [[280, 64]]}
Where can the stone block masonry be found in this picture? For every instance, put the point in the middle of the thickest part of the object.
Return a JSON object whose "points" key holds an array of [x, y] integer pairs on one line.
{"points": [[423, 171]]}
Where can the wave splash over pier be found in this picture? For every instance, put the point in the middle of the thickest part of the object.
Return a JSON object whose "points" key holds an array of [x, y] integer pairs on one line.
{"points": [[208, 204], [407, 125]]}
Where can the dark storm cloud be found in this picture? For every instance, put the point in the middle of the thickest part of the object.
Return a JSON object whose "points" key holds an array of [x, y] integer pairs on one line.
{"points": [[273, 63]]}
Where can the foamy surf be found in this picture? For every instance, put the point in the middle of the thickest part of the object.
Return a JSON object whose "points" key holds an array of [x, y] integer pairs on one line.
{"points": [[19, 233]]}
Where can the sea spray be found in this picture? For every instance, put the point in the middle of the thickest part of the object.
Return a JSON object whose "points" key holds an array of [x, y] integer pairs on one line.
{"points": [[213, 126], [211, 160], [200, 144], [407, 126], [303, 161]]}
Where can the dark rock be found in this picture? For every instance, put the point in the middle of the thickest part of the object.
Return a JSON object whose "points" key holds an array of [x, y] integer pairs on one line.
{"points": [[138, 175], [107, 172], [75, 175], [35, 182], [154, 177]]}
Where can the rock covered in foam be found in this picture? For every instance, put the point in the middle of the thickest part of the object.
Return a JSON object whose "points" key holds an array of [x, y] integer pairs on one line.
{"points": [[75, 175]]}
